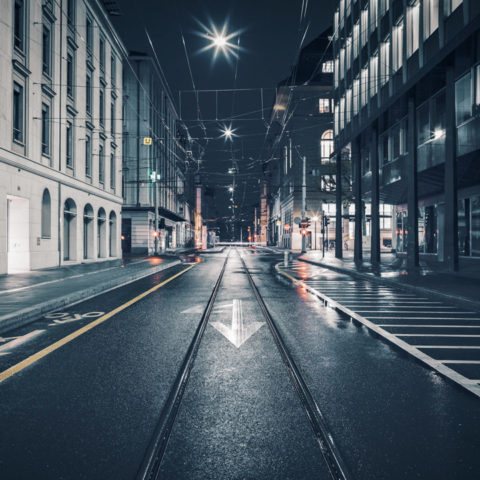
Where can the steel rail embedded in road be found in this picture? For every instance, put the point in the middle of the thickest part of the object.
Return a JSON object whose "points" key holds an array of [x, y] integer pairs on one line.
{"points": [[328, 447], [150, 466]]}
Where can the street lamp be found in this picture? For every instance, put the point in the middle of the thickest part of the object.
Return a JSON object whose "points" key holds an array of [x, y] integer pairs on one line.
{"points": [[315, 220], [228, 132], [220, 40]]}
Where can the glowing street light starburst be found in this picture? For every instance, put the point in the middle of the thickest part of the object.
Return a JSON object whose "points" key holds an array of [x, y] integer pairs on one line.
{"points": [[221, 41], [228, 133]]}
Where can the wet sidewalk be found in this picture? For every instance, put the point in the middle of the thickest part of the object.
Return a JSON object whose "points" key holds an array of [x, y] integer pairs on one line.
{"points": [[25, 296], [462, 287]]}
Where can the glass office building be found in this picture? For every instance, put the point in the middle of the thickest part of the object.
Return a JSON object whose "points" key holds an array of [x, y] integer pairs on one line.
{"points": [[407, 113]]}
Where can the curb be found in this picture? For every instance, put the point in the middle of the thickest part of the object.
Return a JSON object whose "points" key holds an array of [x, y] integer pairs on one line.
{"points": [[434, 294], [27, 315]]}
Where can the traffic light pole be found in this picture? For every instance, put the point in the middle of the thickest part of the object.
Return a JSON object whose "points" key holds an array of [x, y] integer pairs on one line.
{"points": [[304, 201]]}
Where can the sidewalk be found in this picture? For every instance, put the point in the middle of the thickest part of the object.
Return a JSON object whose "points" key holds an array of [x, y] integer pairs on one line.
{"points": [[461, 288], [26, 296]]}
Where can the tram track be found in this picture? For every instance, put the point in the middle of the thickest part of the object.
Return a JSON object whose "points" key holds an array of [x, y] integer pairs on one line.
{"points": [[336, 465], [158, 444], [150, 467]]}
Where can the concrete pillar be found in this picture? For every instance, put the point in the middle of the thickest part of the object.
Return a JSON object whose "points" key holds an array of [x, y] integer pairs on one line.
{"points": [[375, 213], [450, 233], [338, 211], [357, 192], [412, 193]]}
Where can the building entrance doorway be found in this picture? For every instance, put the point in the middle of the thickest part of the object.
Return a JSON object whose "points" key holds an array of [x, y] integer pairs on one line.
{"points": [[18, 234]]}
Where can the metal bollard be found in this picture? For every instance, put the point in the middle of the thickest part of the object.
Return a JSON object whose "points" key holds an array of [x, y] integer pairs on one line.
{"points": [[286, 258]]}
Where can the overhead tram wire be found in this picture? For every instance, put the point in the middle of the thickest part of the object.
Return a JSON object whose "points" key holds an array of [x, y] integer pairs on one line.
{"points": [[119, 42], [293, 76]]}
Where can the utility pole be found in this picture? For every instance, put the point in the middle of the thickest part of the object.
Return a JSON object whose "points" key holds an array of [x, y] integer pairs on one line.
{"points": [[323, 233], [304, 201], [155, 202]]}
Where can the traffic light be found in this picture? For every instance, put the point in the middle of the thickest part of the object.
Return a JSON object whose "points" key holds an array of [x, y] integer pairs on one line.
{"points": [[326, 220]]}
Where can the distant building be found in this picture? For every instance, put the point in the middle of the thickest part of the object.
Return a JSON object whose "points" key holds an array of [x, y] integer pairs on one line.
{"points": [[60, 161], [407, 91], [302, 127], [154, 164]]}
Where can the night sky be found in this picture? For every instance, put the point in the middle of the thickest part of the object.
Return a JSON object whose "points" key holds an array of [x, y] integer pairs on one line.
{"points": [[270, 34]]}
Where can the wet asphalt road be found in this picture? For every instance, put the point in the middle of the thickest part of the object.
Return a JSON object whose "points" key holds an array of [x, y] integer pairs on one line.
{"points": [[88, 409]]}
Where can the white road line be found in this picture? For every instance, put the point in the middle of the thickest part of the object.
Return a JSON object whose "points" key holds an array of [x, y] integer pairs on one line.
{"points": [[347, 296], [462, 362], [381, 300], [435, 335], [20, 340], [450, 347], [428, 326], [426, 318], [392, 310]]}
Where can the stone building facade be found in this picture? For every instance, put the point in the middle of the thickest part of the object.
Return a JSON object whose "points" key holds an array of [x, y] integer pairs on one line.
{"points": [[60, 124]]}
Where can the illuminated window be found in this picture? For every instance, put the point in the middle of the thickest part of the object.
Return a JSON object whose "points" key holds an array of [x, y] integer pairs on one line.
{"points": [[327, 67], [373, 75], [451, 5], [324, 105], [326, 145], [356, 95], [385, 62], [413, 20], [397, 47], [364, 87], [364, 26], [373, 15], [430, 17], [348, 106]]}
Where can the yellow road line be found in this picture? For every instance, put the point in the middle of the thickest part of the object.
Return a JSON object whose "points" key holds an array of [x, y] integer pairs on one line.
{"points": [[51, 348]]}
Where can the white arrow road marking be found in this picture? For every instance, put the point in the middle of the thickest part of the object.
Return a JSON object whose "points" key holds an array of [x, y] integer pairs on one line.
{"points": [[19, 341], [238, 333]]}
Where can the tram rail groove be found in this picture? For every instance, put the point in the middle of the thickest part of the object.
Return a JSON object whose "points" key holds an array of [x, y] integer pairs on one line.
{"points": [[335, 463], [150, 466]]}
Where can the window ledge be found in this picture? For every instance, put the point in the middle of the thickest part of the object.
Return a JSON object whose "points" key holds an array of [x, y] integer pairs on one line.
{"points": [[48, 90], [20, 67]]}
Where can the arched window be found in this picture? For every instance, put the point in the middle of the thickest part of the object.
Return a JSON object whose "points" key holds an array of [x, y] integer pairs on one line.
{"points": [[88, 217], [112, 242], [69, 230], [101, 233], [46, 214], [326, 146]]}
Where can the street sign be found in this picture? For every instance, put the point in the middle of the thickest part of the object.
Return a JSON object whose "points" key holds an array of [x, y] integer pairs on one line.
{"points": [[147, 141], [297, 220]]}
